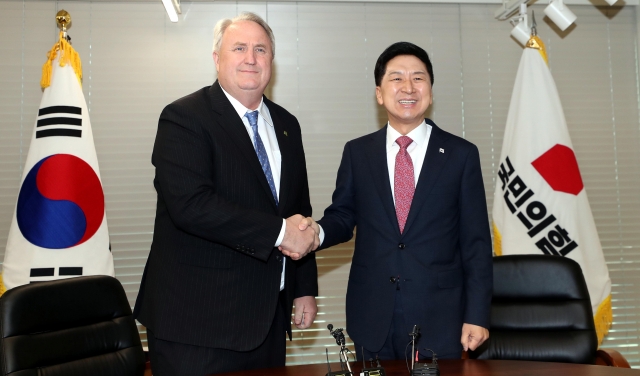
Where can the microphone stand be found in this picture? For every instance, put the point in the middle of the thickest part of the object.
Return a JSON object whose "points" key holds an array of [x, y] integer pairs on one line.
{"points": [[415, 333], [340, 340]]}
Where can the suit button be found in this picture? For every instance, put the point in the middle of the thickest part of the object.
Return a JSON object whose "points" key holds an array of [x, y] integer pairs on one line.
{"points": [[252, 252], [279, 258], [392, 279], [401, 245]]}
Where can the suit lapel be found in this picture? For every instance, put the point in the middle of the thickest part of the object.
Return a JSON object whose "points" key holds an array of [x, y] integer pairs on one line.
{"points": [[286, 160], [434, 162], [234, 127], [377, 157]]}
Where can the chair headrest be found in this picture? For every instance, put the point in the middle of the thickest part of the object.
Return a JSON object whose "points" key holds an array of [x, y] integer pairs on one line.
{"points": [[523, 277], [62, 304]]}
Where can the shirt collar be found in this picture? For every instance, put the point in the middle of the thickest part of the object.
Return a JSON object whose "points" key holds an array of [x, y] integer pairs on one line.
{"points": [[263, 110], [418, 135]]}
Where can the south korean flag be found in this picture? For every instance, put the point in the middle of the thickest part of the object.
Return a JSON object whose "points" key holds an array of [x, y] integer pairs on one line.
{"points": [[59, 229]]}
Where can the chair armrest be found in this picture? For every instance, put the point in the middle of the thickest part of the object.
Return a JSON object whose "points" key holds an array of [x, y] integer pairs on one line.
{"points": [[611, 358]]}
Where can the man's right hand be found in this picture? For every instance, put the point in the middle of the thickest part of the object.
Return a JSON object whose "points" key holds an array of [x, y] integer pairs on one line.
{"points": [[299, 240]]}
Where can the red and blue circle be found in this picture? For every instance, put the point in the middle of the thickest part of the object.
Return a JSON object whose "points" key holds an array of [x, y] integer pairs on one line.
{"points": [[61, 202]]}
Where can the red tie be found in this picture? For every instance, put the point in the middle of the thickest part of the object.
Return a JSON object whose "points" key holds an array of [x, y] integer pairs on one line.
{"points": [[403, 186]]}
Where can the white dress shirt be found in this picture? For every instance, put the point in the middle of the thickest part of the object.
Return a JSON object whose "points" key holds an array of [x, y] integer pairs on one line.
{"points": [[417, 151], [268, 135]]}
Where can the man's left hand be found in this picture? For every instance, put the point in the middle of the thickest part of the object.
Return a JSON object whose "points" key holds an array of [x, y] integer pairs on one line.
{"points": [[305, 313], [473, 336]]}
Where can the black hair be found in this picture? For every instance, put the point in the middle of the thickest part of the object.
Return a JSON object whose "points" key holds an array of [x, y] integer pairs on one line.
{"points": [[397, 49]]}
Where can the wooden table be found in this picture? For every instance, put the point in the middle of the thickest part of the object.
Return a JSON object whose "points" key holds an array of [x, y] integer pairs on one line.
{"points": [[457, 368]]}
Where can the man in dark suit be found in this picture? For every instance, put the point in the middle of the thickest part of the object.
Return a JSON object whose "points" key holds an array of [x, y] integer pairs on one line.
{"points": [[423, 249], [216, 294]]}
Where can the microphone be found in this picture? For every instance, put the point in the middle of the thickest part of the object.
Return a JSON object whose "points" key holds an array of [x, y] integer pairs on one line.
{"points": [[337, 335]]}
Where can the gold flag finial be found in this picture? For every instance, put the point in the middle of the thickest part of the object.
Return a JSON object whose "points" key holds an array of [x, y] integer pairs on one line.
{"points": [[63, 19]]}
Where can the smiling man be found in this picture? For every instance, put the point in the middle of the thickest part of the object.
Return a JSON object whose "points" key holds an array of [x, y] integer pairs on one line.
{"points": [[216, 294], [423, 249]]}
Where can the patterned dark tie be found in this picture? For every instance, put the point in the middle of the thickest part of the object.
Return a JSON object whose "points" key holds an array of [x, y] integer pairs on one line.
{"points": [[252, 116], [403, 185]]}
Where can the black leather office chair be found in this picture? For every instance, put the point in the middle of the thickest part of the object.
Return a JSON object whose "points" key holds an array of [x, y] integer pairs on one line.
{"points": [[541, 311], [77, 326]]}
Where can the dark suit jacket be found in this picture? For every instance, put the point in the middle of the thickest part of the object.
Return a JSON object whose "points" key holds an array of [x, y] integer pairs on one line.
{"points": [[443, 256], [213, 275]]}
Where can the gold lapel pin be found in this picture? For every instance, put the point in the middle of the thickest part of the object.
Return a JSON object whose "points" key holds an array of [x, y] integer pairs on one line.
{"points": [[285, 133]]}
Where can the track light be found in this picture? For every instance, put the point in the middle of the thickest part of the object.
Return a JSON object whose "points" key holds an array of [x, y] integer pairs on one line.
{"points": [[508, 8], [520, 31], [173, 9], [560, 14]]}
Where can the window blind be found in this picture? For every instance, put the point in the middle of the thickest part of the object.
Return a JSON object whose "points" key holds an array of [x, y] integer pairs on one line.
{"points": [[323, 74]]}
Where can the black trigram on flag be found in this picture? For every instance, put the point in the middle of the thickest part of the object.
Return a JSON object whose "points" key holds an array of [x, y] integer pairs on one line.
{"points": [[61, 118], [62, 271]]}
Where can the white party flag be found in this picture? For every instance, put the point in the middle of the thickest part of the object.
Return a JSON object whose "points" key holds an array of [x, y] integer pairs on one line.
{"points": [[540, 204], [59, 229]]}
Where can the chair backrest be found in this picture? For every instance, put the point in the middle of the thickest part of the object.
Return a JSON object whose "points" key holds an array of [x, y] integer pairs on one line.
{"points": [[76, 326], [540, 311]]}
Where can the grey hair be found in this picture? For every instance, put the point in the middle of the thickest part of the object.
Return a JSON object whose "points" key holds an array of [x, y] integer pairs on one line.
{"points": [[223, 24]]}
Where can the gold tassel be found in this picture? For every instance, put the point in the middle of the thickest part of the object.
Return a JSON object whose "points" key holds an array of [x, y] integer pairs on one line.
{"points": [[67, 56], [536, 43], [603, 319], [2, 288], [497, 241], [46, 68]]}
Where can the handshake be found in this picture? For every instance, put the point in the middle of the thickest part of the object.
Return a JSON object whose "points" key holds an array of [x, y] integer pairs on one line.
{"points": [[301, 236]]}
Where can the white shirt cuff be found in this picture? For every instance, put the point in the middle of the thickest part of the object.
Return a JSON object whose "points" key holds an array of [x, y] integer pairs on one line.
{"points": [[321, 235], [282, 230]]}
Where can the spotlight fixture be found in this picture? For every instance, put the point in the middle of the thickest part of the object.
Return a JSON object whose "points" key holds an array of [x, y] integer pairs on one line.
{"points": [[173, 9], [520, 31], [508, 9], [560, 14]]}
